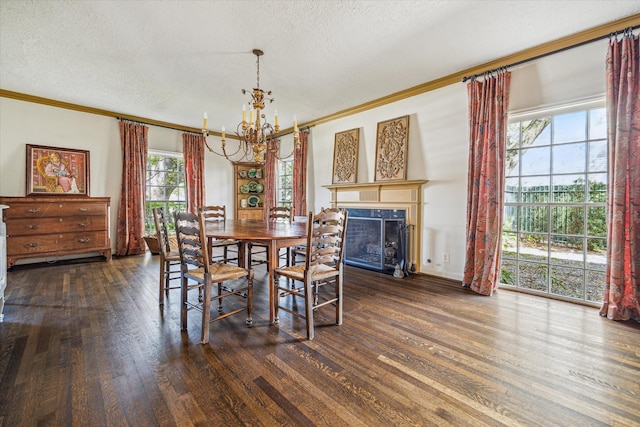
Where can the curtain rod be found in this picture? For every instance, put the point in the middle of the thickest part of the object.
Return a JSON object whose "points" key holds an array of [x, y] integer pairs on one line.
{"points": [[628, 30]]}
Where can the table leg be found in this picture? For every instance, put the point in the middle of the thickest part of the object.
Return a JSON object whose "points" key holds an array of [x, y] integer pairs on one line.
{"points": [[273, 264]]}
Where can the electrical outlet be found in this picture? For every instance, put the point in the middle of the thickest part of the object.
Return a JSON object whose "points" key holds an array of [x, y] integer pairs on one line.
{"points": [[445, 257]]}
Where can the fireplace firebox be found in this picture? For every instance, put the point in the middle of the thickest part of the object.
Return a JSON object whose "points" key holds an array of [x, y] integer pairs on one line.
{"points": [[376, 239]]}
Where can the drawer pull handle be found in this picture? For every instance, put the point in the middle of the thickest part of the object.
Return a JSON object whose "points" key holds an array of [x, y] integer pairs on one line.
{"points": [[83, 224], [34, 210], [60, 219], [84, 209], [33, 226], [84, 240], [32, 244]]}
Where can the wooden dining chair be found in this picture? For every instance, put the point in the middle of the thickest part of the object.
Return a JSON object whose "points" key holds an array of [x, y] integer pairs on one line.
{"points": [[229, 247], [321, 270], [276, 214], [298, 251], [169, 257], [233, 283]]}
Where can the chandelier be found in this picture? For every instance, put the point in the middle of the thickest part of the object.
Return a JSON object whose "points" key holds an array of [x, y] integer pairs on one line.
{"points": [[256, 135]]}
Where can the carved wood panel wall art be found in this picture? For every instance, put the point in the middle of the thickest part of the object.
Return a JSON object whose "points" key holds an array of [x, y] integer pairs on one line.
{"points": [[345, 157], [391, 149]]}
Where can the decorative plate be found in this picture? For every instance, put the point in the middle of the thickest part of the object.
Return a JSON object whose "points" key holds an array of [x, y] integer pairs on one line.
{"points": [[251, 173], [253, 186], [244, 188], [242, 173], [259, 188], [253, 201]]}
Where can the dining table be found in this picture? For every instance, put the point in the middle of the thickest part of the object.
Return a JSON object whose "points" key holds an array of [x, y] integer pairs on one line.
{"points": [[274, 235]]}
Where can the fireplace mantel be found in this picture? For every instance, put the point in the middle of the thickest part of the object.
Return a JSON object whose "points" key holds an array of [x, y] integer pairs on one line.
{"points": [[401, 195]]}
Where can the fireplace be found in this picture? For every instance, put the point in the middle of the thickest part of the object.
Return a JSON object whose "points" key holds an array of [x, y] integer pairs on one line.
{"points": [[402, 203], [375, 239]]}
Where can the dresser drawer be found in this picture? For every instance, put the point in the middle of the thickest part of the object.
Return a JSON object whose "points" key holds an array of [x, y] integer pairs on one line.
{"points": [[56, 243], [62, 224], [56, 209]]}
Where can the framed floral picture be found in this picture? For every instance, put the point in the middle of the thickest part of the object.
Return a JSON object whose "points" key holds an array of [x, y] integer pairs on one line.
{"points": [[57, 171], [345, 157], [392, 142]]}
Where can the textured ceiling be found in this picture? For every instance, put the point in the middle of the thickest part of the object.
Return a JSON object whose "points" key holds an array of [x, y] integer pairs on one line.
{"points": [[172, 60]]}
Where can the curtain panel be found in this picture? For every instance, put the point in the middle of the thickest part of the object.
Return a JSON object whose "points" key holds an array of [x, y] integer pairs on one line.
{"points": [[300, 175], [130, 228], [270, 172], [193, 152], [622, 295], [488, 106]]}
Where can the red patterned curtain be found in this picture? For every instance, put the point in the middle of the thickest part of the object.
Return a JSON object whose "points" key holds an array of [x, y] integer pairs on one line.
{"points": [[622, 293], [488, 105], [270, 169], [300, 175], [193, 152], [130, 232]]}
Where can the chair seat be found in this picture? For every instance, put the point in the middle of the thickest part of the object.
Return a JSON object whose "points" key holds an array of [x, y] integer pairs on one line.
{"points": [[319, 272], [219, 273]]}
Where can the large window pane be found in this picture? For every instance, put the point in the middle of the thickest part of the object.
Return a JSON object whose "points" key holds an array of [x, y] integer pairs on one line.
{"points": [[597, 221], [595, 284], [598, 188], [533, 276], [598, 123], [568, 188], [512, 164], [567, 281], [535, 189], [513, 135], [534, 218], [165, 187], [533, 247], [570, 127], [569, 158], [559, 244], [536, 133], [598, 156], [509, 245], [284, 192], [567, 220], [511, 190], [535, 161]]}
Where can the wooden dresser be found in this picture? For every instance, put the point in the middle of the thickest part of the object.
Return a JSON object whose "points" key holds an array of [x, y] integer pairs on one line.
{"points": [[53, 227]]}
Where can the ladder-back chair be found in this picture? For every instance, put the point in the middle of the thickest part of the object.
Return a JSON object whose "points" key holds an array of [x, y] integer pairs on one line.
{"points": [[233, 283], [169, 257], [230, 247], [321, 270]]}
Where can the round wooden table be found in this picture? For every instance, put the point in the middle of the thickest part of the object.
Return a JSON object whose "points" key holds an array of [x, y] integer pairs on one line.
{"points": [[275, 235]]}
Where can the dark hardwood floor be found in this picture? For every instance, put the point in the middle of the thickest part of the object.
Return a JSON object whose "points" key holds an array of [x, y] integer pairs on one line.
{"points": [[86, 344]]}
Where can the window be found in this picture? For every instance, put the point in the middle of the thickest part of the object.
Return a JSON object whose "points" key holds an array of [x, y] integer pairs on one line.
{"points": [[554, 227], [284, 191], [165, 186]]}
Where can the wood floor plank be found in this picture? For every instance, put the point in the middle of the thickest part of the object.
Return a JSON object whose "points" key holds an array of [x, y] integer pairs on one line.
{"points": [[86, 343]]}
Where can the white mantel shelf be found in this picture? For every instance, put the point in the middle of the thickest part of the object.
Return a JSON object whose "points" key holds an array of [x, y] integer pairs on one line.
{"points": [[401, 195]]}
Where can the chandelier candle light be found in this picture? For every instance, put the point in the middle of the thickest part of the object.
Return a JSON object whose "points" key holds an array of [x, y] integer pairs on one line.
{"points": [[255, 135]]}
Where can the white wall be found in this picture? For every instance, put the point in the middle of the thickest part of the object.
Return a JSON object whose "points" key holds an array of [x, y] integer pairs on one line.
{"points": [[438, 146]]}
